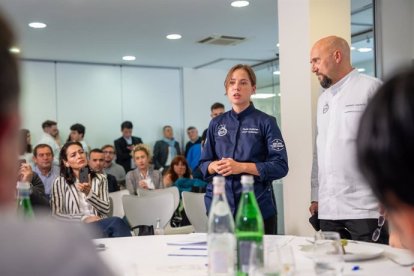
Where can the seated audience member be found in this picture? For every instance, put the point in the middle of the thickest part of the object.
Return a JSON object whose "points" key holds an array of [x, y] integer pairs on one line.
{"points": [[40, 246], [385, 149], [84, 202], [44, 167], [96, 164], [193, 137], [193, 157], [165, 150], [51, 137], [26, 146], [144, 176], [111, 167], [124, 146], [40, 201], [178, 171], [77, 134]]}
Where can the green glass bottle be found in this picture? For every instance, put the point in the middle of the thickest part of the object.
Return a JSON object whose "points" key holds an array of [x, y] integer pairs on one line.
{"points": [[249, 226], [24, 205]]}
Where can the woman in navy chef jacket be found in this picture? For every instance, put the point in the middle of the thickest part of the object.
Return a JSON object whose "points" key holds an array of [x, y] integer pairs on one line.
{"points": [[241, 141]]}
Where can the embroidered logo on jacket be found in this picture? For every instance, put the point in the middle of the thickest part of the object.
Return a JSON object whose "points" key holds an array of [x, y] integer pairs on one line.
{"points": [[222, 130], [277, 145]]}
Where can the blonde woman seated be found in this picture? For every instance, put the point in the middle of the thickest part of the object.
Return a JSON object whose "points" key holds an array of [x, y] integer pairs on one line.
{"points": [[144, 176]]}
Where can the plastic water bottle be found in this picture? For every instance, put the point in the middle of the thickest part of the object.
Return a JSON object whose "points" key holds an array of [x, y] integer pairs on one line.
{"points": [[24, 205], [249, 227], [158, 229], [220, 239]]}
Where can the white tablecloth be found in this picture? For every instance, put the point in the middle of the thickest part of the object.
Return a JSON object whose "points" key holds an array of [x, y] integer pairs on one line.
{"points": [[155, 256]]}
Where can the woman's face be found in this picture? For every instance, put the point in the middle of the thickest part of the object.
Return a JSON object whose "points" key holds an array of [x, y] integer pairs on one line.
{"points": [[141, 160], [180, 169], [76, 158], [240, 88]]}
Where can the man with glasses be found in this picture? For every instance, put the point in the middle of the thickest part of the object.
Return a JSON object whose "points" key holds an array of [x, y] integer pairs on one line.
{"points": [[340, 196], [111, 167], [44, 167]]}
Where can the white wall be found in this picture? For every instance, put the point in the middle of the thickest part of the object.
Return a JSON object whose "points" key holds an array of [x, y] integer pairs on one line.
{"points": [[395, 29], [202, 88], [101, 97]]}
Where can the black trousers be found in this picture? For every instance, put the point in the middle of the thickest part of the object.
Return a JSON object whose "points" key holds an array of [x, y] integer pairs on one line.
{"points": [[270, 225], [356, 229]]}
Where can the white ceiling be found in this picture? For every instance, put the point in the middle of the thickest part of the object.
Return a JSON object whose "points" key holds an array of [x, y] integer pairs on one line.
{"points": [[102, 31]]}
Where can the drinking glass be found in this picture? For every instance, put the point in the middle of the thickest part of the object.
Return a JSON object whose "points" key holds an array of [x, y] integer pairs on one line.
{"points": [[328, 254], [270, 265]]}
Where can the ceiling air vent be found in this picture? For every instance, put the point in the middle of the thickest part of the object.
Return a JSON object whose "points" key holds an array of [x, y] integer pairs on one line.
{"points": [[223, 40]]}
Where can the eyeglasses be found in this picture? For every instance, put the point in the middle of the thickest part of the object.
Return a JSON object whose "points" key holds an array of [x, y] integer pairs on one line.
{"points": [[108, 152], [377, 232]]}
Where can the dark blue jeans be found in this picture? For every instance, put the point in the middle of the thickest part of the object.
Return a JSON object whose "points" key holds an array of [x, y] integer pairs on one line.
{"points": [[112, 227]]}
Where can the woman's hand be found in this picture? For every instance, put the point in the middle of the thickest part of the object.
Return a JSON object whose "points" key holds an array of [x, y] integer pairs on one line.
{"points": [[227, 166], [84, 187], [143, 184], [91, 219]]}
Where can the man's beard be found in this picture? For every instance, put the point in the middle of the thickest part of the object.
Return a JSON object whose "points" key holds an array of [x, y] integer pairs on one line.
{"points": [[325, 82]]}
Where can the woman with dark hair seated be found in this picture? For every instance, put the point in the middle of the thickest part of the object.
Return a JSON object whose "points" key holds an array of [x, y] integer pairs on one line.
{"points": [[85, 202]]}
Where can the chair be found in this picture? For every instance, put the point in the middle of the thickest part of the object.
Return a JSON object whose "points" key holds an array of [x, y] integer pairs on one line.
{"points": [[168, 230], [196, 210], [115, 200], [145, 210]]}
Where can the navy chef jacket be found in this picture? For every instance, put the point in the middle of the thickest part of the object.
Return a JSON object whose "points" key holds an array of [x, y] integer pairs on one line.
{"points": [[250, 136]]}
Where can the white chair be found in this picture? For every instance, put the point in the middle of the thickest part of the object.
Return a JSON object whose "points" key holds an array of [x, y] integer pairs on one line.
{"points": [[168, 230], [196, 210], [145, 210], [115, 199]]}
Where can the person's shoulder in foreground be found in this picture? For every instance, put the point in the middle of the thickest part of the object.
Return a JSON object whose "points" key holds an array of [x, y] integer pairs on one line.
{"points": [[46, 247]]}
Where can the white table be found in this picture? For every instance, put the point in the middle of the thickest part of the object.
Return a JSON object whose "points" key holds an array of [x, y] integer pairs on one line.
{"points": [[154, 256]]}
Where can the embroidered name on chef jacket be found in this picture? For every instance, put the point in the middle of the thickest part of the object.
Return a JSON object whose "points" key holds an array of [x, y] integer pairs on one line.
{"points": [[249, 130]]}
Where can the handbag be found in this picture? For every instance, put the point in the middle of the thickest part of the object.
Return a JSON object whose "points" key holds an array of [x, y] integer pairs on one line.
{"points": [[144, 230]]}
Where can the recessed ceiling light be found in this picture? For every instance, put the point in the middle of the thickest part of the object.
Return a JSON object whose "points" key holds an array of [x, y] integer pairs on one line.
{"points": [[173, 36], [14, 50], [361, 69], [364, 49], [239, 4], [277, 72], [37, 25], [128, 58], [277, 45], [352, 48]]}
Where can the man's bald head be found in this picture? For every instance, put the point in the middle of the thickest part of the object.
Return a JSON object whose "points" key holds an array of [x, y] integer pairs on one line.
{"points": [[331, 60]]}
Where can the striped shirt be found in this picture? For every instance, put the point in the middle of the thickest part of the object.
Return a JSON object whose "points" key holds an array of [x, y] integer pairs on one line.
{"points": [[65, 199]]}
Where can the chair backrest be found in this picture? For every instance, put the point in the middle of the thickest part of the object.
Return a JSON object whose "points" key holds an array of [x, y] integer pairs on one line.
{"points": [[170, 190], [145, 210], [117, 210], [195, 210]]}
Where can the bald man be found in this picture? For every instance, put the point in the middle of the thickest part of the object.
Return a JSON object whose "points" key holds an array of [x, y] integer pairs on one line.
{"points": [[340, 196]]}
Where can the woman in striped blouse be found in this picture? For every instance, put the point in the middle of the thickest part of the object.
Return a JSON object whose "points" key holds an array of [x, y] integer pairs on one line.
{"points": [[83, 202]]}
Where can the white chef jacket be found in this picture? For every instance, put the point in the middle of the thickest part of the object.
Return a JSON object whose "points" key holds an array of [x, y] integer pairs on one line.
{"points": [[339, 188]]}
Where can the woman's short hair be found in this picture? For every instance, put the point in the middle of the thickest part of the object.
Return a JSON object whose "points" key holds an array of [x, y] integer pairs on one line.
{"points": [[142, 147]]}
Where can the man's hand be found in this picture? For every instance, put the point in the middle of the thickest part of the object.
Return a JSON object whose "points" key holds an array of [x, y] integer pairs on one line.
{"points": [[26, 173], [313, 207]]}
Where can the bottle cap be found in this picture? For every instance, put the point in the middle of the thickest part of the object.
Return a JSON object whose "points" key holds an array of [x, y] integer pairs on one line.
{"points": [[247, 180], [218, 183]]}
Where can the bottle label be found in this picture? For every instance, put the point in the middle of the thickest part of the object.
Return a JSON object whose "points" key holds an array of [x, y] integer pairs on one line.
{"points": [[244, 255]]}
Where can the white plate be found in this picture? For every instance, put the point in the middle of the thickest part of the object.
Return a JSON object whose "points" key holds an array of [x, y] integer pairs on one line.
{"points": [[354, 251]]}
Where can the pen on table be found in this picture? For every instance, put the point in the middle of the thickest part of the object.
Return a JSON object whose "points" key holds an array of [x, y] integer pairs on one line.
{"points": [[193, 248]]}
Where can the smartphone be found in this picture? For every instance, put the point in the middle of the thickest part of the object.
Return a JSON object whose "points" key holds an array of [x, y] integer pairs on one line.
{"points": [[83, 175]]}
